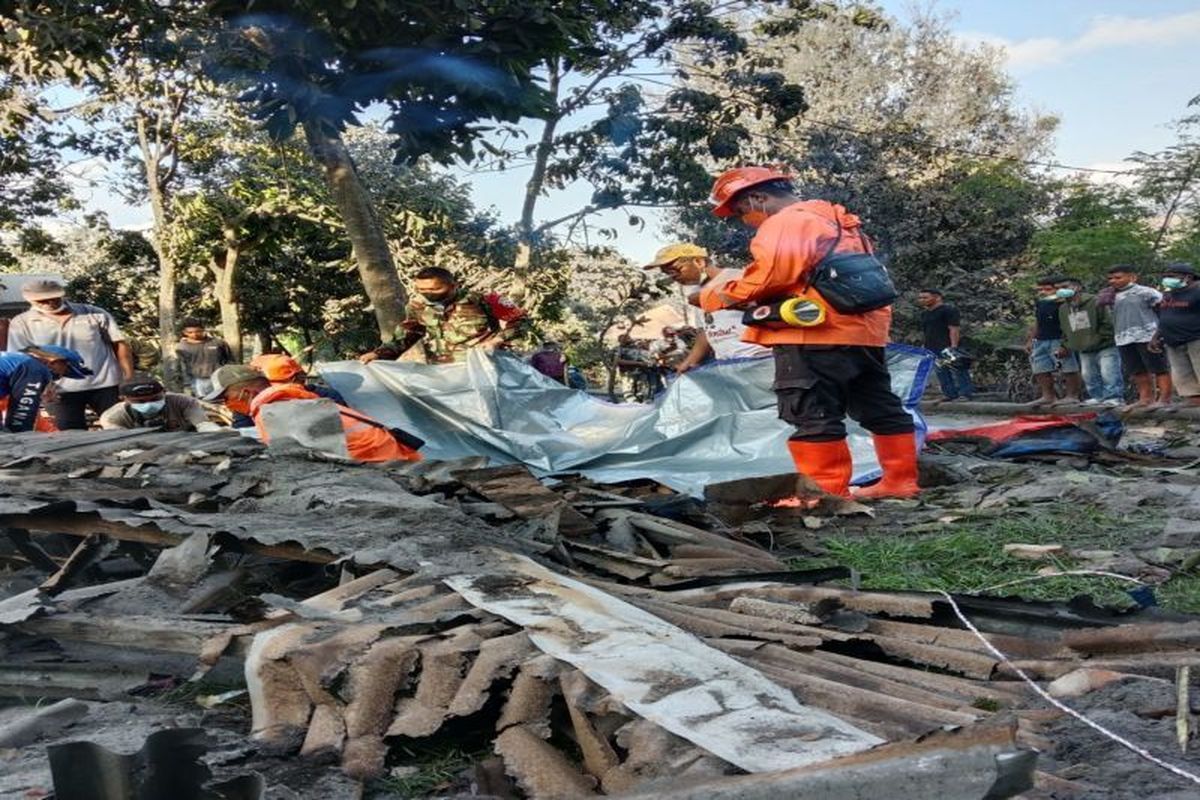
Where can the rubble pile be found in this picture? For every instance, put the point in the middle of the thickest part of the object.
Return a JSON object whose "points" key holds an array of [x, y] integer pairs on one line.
{"points": [[596, 640]]}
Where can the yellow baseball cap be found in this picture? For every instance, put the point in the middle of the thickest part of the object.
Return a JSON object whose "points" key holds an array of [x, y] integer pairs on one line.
{"points": [[676, 251]]}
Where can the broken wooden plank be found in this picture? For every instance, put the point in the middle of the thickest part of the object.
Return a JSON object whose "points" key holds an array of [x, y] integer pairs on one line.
{"points": [[143, 632], [89, 551], [957, 765], [515, 488], [86, 524]]}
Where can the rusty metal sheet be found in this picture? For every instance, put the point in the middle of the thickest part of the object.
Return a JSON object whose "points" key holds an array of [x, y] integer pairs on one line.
{"points": [[661, 672]]}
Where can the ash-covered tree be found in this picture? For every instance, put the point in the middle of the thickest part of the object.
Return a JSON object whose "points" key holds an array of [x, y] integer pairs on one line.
{"points": [[620, 122], [918, 134], [1169, 180]]}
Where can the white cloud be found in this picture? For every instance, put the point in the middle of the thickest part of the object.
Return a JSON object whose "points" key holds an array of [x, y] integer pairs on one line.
{"points": [[1120, 173], [1102, 32]]}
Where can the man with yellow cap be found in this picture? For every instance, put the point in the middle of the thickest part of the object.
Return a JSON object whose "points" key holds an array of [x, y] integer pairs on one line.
{"points": [[720, 331], [812, 256]]}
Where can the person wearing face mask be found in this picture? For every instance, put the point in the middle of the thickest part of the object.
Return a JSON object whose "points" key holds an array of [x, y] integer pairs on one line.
{"points": [[88, 330], [1087, 331], [448, 320], [245, 390], [1135, 320], [25, 379], [1047, 356], [829, 363], [146, 404], [1179, 329], [720, 332]]}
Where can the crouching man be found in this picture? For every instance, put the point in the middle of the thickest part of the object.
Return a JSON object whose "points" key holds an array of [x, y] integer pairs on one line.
{"points": [[146, 404], [27, 377], [247, 391]]}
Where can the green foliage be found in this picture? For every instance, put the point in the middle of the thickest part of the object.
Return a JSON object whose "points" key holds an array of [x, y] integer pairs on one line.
{"points": [[441, 67], [970, 557], [427, 770], [1093, 228]]}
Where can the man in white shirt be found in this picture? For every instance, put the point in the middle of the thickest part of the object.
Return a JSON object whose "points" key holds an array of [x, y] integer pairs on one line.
{"points": [[720, 331], [88, 330]]}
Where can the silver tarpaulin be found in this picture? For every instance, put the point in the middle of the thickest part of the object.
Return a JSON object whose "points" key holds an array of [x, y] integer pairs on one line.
{"points": [[716, 423]]}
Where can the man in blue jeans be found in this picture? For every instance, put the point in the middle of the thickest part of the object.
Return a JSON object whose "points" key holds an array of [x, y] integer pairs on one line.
{"points": [[1045, 348], [942, 325], [1088, 333]]}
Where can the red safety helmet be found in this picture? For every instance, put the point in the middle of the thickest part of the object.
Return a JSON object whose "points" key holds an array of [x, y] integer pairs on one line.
{"points": [[739, 179]]}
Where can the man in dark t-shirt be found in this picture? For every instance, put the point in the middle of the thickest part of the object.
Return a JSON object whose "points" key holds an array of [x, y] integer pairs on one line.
{"points": [[1044, 345], [942, 326], [1179, 329]]}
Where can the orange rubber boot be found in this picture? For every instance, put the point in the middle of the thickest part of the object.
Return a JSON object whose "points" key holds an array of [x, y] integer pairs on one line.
{"points": [[826, 463], [898, 456]]}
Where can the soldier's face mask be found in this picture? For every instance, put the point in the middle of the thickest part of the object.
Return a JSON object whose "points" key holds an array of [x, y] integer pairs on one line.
{"points": [[436, 298]]}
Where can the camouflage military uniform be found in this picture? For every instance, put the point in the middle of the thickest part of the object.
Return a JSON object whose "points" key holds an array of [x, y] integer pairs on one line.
{"points": [[448, 331]]}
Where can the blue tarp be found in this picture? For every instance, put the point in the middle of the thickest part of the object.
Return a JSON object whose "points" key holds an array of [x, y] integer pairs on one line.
{"points": [[713, 424]]}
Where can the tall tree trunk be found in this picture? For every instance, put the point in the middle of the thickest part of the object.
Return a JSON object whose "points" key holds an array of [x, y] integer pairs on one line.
{"points": [[159, 199], [224, 270], [375, 266], [537, 180]]}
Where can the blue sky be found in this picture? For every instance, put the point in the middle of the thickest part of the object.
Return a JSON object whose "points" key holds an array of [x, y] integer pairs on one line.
{"points": [[1115, 73]]}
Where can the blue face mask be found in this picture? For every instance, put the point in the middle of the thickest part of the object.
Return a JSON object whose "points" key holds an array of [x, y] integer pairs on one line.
{"points": [[149, 409], [1064, 294], [1174, 283]]}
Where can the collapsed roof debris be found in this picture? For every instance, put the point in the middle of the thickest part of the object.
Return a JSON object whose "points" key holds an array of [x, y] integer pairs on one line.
{"points": [[597, 640]]}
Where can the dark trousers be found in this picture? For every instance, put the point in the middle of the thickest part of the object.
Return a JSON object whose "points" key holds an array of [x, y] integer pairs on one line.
{"points": [[70, 409], [817, 386], [955, 382]]}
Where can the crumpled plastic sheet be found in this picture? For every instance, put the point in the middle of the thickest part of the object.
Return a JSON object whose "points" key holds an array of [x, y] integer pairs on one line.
{"points": [[713, 424]]}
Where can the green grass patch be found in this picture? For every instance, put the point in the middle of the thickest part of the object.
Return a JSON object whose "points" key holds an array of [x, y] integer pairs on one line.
{"points": [[432, 770], [969, 557]]}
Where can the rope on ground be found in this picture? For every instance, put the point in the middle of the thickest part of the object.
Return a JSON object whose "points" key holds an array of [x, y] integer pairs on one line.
{"points": [[1128, 745], [1087, 573]]}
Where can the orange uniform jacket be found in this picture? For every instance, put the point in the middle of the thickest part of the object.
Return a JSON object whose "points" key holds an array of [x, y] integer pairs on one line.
{"points": [[364, 441], [787, 247]]}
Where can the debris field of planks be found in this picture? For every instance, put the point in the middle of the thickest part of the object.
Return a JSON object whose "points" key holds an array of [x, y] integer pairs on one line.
{"points": [[597, 640]]}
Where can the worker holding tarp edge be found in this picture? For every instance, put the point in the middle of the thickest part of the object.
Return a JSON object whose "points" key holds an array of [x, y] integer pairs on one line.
{"points": [[821, 300]]}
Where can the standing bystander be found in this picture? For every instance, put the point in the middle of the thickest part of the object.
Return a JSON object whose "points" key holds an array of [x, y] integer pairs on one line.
{"points": [[1088, 333], [719, 332], [200, 355], [550, 361], [1046, 353], [1135, 320], [87, 330], [942, 327], [1179, 329]]}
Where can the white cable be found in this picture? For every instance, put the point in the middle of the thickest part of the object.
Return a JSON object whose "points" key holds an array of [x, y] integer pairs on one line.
{"points": [[1062, 706]]}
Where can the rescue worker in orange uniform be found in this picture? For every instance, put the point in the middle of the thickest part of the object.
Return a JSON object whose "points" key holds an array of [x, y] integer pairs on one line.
{"points": [[834, 364], [246, 390]]}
